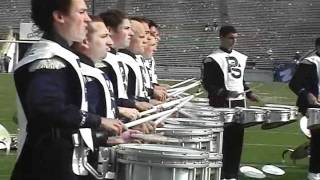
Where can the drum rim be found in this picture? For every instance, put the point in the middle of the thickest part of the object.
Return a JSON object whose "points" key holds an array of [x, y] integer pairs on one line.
{"points": [[192, 152], [188, 165], [185, 132]]}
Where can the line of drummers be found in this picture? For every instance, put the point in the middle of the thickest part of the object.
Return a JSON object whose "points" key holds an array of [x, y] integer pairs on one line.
{"points": [[188, 139], [196, 125]]}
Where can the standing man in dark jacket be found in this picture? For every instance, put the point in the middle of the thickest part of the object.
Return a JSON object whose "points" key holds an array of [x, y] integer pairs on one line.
{"points": [[223, 79], [305, 84], [52, 93]]}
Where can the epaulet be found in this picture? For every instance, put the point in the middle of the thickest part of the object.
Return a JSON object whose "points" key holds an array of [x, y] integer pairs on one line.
{"points": [[207, 60], [52, 63], [100, 64]]}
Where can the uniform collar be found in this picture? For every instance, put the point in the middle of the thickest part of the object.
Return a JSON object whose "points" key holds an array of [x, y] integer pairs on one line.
{"points": [[55, 37], [126, 51], [85, 59], [226, 50], [113, 51]]}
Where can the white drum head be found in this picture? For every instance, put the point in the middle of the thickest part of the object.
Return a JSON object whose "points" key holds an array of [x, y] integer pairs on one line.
{"points": [[5, 139], [252, 172], [273, 170], [304, 126]]}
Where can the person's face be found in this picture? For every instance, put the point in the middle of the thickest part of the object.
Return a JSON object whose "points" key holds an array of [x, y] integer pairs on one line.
{"points": [[155, 33], [228, 41], [99, 41], [123, 35], [138, 41], [75, 22], [151, 48], [147, 30]]}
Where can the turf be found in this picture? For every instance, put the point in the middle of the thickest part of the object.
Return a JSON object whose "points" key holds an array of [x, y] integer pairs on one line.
{"points": [[261, 146]]}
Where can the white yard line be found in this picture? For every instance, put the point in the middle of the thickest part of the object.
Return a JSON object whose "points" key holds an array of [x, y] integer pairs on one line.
{"points": [[269, 145], [274, 132]]}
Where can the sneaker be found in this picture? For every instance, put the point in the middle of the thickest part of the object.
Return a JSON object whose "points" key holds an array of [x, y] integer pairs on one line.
{"points": [[313, 176]]}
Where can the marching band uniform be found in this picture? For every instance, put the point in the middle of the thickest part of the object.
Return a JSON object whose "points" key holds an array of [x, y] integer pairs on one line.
{"points": [[306, 80], [117, 71], [136, 80], [52, 93], [223, 73]]}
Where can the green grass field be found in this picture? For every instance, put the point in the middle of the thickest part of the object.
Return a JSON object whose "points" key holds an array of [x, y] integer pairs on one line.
{"points": [[261, 146]]}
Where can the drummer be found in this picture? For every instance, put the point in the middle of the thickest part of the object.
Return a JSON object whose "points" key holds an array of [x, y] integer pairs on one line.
{"points": [[222, 77], [52, 93], [113, 65], [306, 85]]}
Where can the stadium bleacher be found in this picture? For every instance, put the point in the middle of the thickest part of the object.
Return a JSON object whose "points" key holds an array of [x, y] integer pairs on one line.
{"points": [[283, 26]]}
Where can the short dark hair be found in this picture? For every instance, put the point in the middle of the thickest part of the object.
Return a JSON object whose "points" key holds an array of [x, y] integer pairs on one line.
{"points": [[41, 12], [113, 18], [225, 30], [152, 24], [94, 19], [317, 42]]}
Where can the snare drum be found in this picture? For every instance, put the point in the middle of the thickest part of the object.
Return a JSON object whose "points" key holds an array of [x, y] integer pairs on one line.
{"points": [[215, 126], [293, 109], [159, 162], [228, 115], [276, 117], [206, 139], [251, 117], [202, 113], [313, 118], [191, 138]]}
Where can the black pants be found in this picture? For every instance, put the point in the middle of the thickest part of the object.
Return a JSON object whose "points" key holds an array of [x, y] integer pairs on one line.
{"points": [[314, 164], [232, 143]]}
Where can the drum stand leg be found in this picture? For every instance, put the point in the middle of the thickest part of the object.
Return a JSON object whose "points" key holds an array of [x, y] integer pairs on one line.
{"points": [[173, 173], [130, 177], [218, 174], [149, 173]]}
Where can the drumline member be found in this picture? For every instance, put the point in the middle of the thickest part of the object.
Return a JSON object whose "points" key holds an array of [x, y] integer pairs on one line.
{"points": [[120, 28], [100, 94], [222, 77], [305, 84], [52, 93], [113, 64], [157, 93], [150, 62]]}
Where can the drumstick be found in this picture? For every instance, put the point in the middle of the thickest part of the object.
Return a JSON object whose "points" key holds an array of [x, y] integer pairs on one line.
{"points": [[195, 84], [175, 89], [183, 82], [146, 119], [161, 119], [163, 106]]}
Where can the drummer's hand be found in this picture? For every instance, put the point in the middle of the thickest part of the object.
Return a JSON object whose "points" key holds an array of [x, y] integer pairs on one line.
{"points": [[253, 97], [151, 126], [159, 94], [130, 113], [127, 136], [160, 87], [111, 125], [143, 106], [155, 102], [312, 100], [146, 128]]}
